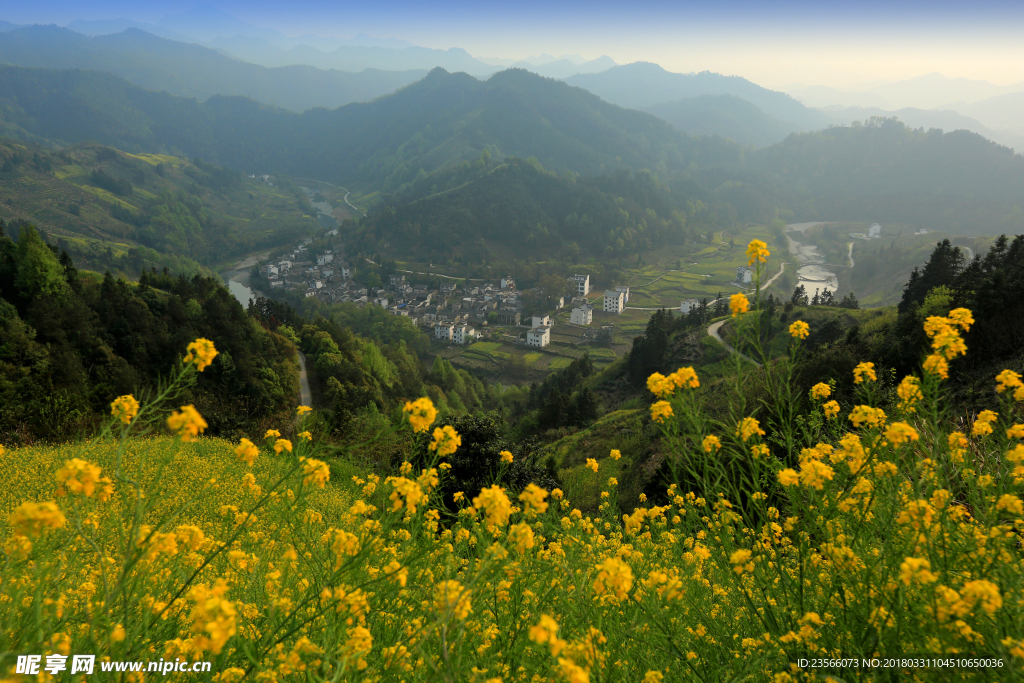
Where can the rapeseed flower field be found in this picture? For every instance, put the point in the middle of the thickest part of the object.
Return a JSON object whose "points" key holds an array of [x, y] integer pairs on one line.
{"points": [[842, 532]]}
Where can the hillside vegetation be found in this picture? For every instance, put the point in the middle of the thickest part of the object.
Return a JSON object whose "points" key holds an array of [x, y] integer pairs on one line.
{"points": [[128, 212], [194, 71]]}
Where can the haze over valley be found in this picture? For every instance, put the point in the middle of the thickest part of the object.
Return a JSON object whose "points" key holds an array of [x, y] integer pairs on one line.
{"points": [[511, 342]]}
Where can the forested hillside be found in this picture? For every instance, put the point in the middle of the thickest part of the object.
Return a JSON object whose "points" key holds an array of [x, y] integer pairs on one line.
{"points": [[70, 344], [110, 209], [520, 209], [957, 182], [194, 71]]}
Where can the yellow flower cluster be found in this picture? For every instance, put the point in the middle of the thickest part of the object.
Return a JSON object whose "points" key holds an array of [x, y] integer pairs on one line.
{"points": [[79, 477], [864, 371], [246, 451], [201, 353], [820, 391], [749, 427], [446, 440], [506, 457], [983, 423], [124, 408], [799, 330], [422, 413], [1007, 380], [663, 387], [873, 417], [187, 424], [757, 252], [661, 410], [738, 303]]}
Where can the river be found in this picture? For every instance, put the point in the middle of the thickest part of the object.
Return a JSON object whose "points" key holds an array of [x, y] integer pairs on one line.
{"points": [[237, 279], [814, 275]]}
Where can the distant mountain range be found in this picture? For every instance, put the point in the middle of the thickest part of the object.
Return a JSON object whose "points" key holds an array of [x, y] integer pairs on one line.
{"points": [[442, 119], [193, 71], [933, 118], [728, 116], [642, 85]]}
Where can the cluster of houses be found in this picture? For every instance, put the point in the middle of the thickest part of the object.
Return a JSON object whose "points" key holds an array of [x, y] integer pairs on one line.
{"points": [[454, 313]]}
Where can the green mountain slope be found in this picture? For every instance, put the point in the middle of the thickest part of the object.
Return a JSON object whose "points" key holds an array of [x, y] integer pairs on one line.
{"points": [[956, 182], [193, 71], [127, 212], [441, 119]]}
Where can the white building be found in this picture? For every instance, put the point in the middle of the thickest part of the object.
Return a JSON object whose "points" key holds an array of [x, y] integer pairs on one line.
{"points": [[688, 305], [443, 331], [324, 259], [744, 275], [582, 284], [508, 283], [560, 302], [875, 231], [539, 336], [463, 334], [582, 315], [613, 301], [541, 321], [625, 290]]}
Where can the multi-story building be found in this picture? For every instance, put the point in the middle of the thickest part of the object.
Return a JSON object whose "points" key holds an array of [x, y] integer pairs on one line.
{"points": [[581, 283], [539, 336], [582, 315], [542, 321], [463, 334], [613, 301], [443, 330]]}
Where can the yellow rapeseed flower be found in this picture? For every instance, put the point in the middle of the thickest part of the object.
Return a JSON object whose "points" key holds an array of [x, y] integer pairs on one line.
{"points": [[282, 445], [30, 519], [422, 413], [520, 537], [316, 472], [983, 424], [820, 391], [738, 303], [961, 317], [246, 451], [201, 353], [80, 478], [451, 598], [789, 477], [506, 457], [936, 365], [660, 411], [684, 378], [406, 493], [748, 427], [740, 560], [1008, 379], [533, 501], [757, 252], [302, 410], [188, 424], [864, 371], [446, 440], [659, 385], [306, 435], [213, 617], [494, 504], [909, 391], [873, 417], [711, 443], [900, 433], [831, 409], [1011, 504], [272, 434], [592, 464], [615, 454], [614, 577], [124, 408], [800, 330]]}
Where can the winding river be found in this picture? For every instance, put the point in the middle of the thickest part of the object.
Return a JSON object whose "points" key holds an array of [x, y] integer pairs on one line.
{"points": [[814, 275]]}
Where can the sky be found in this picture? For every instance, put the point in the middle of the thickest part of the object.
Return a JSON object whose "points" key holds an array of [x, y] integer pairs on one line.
{"points": [[777, 44]]}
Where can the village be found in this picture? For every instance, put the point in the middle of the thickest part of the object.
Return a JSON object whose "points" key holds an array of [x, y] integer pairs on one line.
{"points": [[453, 312]]}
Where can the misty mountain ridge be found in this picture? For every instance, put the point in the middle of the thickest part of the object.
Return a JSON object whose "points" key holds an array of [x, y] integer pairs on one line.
{"points": [[929, 91], [727, 116], [928, 119], [191, 70], [643, 84]]}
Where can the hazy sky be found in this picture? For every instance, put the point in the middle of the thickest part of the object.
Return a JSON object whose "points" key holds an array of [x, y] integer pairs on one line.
{"points": [[775, 44]]}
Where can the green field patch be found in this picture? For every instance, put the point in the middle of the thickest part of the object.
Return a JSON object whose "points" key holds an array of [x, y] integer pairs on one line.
{"points": [[109, 196], [559, 363], [531, 358], [487, 347]]}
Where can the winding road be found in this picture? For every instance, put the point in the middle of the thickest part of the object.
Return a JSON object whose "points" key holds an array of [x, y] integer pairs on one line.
{"points": [[713, 332]]}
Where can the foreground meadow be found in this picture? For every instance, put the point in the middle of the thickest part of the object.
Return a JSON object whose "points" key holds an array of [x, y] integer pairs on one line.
{"points": [[849, 535]]}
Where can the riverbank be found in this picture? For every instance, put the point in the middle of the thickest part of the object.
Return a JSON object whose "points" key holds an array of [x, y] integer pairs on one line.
{"points": [[237, 278], [813, 274]]}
